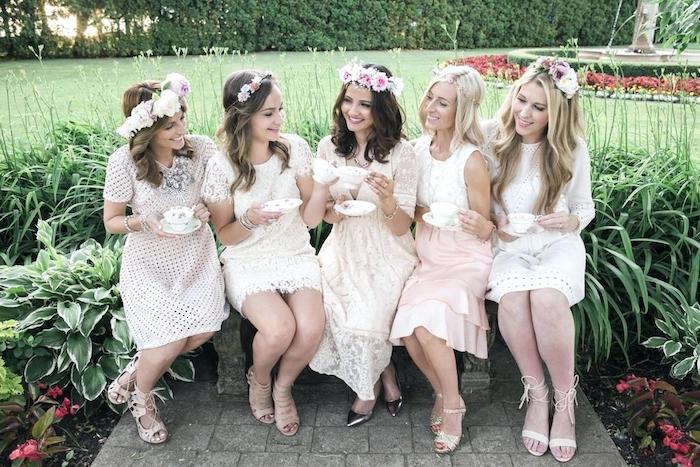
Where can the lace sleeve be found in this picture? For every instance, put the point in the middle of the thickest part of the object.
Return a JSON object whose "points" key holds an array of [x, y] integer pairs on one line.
{"points": [[301, 156], [119, 182], [204, 147], [578, 190], [406, 178], [217, 181]]}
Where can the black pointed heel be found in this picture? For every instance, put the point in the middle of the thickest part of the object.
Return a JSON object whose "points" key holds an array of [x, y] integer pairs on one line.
{"points": [[394, 407]]}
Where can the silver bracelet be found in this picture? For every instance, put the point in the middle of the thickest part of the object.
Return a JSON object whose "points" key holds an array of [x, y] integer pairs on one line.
{"points": [[246, 223], [144, 225], [393, 213], [126, 224]]}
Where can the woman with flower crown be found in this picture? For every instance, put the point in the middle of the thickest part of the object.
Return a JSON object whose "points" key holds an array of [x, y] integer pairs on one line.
{"points": [[170, 282], [366, 259], [271, 271], [442, 304], [542, 173]]}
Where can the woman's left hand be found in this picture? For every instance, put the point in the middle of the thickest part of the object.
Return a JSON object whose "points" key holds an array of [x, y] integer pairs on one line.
{"points": [[201, 212], [383, 187], [559, 222], [473, 223]]}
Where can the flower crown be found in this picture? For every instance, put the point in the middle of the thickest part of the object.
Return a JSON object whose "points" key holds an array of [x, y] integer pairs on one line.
{"points": [[562, 74], [370, 78], [165, 103], [248, 89]]}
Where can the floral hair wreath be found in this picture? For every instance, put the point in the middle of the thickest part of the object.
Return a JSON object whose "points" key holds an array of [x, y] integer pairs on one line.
{"points": [[165, 103], [562, 74], [248, 89], [370, 78]]}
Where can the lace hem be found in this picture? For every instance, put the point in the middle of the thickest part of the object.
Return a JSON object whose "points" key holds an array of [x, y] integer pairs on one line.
{"points": [[519, 282]]}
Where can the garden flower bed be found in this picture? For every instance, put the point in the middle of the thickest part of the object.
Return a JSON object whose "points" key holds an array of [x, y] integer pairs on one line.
{"points": [[671, 88]]}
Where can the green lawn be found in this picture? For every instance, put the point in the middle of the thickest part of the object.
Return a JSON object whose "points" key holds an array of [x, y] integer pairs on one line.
{"points": [[38, 94]]}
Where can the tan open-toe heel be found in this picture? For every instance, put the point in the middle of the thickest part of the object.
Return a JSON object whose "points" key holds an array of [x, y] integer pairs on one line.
{"points": [[119, 393], [260, 399], [285, 410], [565, 401], [446, 443], [531, 384], [140, 405], [435, 419]]}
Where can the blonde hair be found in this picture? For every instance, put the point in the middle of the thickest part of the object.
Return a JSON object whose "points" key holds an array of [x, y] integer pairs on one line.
{"points": [[470, 93], [139, 145], [234, 131], [563, 131]]}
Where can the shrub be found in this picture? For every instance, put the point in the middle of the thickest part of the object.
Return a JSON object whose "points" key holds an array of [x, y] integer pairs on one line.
{"points": [[681, 340]]}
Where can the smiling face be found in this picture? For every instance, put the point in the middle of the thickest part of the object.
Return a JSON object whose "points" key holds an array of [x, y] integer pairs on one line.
{"points": [[172, 135], [440, 107], [530, 112], [266, 123], [357, 110]]}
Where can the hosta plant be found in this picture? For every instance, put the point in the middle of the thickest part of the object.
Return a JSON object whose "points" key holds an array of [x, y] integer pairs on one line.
{"points": [[71, 306]]}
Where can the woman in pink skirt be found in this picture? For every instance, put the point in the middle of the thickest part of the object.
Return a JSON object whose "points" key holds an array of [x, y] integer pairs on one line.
{"points": [[442, 304]]}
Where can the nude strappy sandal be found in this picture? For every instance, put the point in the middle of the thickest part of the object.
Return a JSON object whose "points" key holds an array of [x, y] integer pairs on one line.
{"points": [[285, 410], [119, 393], [565, 401], [435, 419], [260, 399], [530, 384], [141, 404], [445, 443]]}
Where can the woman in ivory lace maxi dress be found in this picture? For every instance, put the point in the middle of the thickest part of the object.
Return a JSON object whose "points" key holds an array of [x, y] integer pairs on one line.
{"points": [[171, 285], [543, 168], [366, 260]]}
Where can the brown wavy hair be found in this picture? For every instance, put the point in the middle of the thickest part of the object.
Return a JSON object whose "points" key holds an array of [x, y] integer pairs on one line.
{"points": [[387, 130], [234, 131], [564, 130], [139, 145]]}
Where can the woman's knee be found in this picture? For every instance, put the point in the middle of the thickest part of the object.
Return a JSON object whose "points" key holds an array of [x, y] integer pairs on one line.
{"points": [[422, 335], [197, 340], [513, 305], [547, 303], [278, 334]]}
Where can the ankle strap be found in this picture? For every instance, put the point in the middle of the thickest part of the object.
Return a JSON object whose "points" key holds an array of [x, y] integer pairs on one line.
{"points": [[530, 383], [566, 400]]}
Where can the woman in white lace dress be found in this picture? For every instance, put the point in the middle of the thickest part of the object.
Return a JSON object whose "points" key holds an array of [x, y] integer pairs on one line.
{"points": [[366, 260], [442, 306], [543, 168], [171, 285], [271, 272]]}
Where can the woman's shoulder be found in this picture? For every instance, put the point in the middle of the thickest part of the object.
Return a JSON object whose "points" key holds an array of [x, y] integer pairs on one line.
{"points": [[403, 145], [202, 144], [121, 156], [295, 141], [490, 128], [326, 141]]}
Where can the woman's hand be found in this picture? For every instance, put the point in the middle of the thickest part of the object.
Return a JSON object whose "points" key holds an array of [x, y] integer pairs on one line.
{"points": [[337, 216], [473, 223], [559, 222], [257, 216], [383, 187], [201, 212], [154, 225], [502, 221]]}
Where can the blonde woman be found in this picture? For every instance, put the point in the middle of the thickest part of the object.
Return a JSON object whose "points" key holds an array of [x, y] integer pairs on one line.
{"points": [[543, 169], [171, 283], [442, 304], [272, 274]]}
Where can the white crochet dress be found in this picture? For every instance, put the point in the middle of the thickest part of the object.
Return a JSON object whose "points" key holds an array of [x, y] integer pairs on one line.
{"points": [[172, 288], [364, 267], [549, 259], [278, 256]]}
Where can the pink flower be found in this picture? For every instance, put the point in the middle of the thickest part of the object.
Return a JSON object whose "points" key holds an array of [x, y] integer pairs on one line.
{"points": [[380, 82], [622, 387], [54, 392], [29, 450], [178, 84], [682, 461], [559, 70], [66, 408], [42, 386], [365, 80]]}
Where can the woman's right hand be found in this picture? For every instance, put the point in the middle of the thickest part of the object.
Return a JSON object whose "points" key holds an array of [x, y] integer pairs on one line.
{"points": [[259, 217], [339, 200], [153, 221]]}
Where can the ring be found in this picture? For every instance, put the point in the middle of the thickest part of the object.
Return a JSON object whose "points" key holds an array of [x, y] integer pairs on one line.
{"points": [[560, 226]]}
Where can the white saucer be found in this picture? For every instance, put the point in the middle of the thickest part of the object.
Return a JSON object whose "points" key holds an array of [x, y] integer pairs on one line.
{"points": [[193, 225], [428, 217], [534, 229], [355, 208], [282, 205]]}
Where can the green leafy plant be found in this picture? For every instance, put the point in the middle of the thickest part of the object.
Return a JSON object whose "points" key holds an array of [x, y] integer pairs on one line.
{"points": [[71, 306], [681, 340], [10, 383]]}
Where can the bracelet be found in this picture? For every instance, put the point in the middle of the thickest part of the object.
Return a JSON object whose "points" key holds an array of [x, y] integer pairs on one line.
{"points": [[126, 224], [246, 223], [490, 234], [393, 213], [144, 225]]}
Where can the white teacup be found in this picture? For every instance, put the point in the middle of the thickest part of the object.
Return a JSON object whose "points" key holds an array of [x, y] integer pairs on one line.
{"points": [[324, 172], [444, 213], [521, 221], [178, 218], [351, 177]]}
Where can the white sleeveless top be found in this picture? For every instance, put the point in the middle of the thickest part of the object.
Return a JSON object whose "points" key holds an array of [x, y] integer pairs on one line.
{"points": [[441, 181]]}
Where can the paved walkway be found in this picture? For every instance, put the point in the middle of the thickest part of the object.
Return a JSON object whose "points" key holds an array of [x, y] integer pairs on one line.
{"points": [[211, 430]]}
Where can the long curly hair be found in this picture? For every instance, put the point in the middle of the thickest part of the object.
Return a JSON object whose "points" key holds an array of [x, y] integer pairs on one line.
{"points": [[234, 132], [387, 130], [140, 144], [564, 129]]}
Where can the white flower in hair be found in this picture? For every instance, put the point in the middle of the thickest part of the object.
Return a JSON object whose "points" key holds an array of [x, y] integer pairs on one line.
{"points": [[568, 83], [370, 78], [168, 104], [139, 119]]}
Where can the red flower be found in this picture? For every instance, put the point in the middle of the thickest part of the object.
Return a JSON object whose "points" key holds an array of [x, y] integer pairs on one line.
{"points": [[682, 461], [66, 408], [29, 450], [54, 392], [622, 387]]}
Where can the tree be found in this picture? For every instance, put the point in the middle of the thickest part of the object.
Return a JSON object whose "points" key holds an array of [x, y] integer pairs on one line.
{"points": [[680, 23]]}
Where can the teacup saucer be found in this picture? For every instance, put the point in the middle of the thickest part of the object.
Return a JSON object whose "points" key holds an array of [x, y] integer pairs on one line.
{"points": [[192, 225], [454, 226], [355, 208], [282, 205], [534, 229]]}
